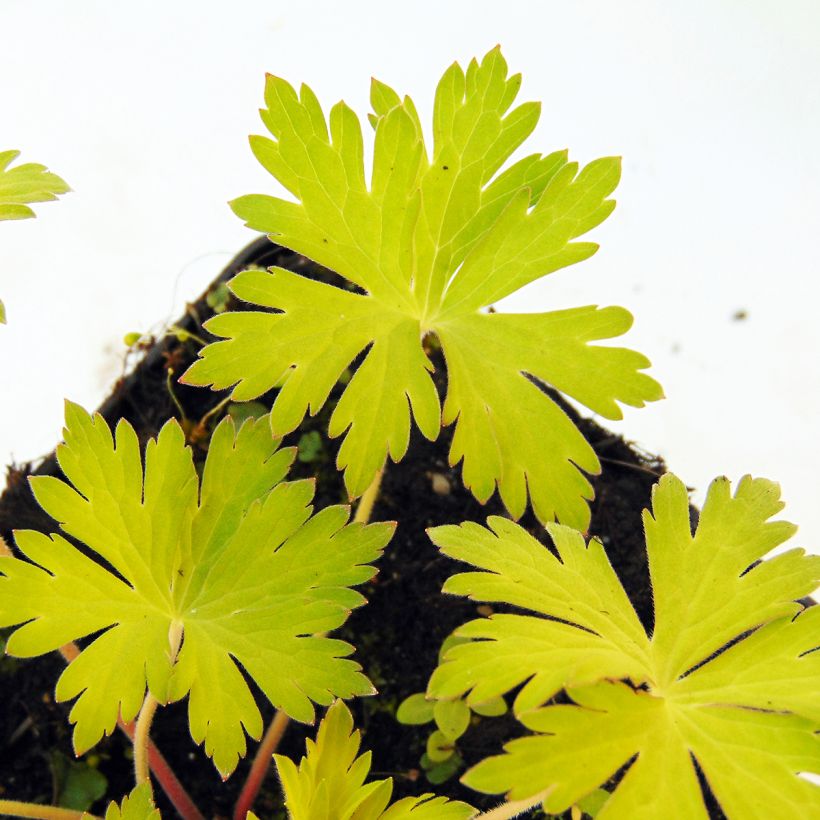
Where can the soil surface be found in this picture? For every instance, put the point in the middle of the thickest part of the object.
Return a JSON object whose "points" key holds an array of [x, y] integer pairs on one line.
{"points": [[398, 633]]}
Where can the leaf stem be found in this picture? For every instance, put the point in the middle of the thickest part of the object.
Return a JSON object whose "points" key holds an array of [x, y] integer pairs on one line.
{"points": [[368, 499], [142, 770], [274, 732], [514, 809], [165, 775], [167, 779], [141, 732], [16, 808], [261, 764]]}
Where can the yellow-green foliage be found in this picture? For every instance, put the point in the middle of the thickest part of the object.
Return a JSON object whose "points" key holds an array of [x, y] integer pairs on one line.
{"points": [[432, 240], [236, 564], [729, 676]]}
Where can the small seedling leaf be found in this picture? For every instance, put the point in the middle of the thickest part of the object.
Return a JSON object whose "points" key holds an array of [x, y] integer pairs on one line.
{"points": [[494, 707], [442, 772], [310, 446], [439, 746], [77, 783], [452, 717], [237, 561], [432, 239], [330, 781], [415, 710], [730, 678]]}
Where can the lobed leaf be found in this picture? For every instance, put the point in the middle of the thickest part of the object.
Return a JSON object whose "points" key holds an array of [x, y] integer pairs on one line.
{"points": [[139, 805], [729, 679], [237, 561], [329, 783], [24, 184], [429, 242]]}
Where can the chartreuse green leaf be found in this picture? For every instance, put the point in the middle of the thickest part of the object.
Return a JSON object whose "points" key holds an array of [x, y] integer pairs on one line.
{"points": [[329, 783], [729, 679], [237, 561], [431, 239], [139, 805], [23, 185]]}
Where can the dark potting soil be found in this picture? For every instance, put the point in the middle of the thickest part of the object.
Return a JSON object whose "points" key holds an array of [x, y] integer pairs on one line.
{"points": [[397, 635]]}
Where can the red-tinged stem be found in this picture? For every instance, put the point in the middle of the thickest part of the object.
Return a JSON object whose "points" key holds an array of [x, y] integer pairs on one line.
{"points": [[270, 742], [15, 808], [167, 779], [161, 769], [261, 764]]}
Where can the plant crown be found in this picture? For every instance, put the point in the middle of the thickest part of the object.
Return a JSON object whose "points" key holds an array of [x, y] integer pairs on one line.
{"points": [[433, 241], [728, 678], [235, 567], [329, 782]]}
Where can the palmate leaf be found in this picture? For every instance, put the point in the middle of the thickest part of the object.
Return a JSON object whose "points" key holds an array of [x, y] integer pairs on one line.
{"points": [[24, 184], [237, 562], [21, 186], [329, 783], [729, 679], [432, 241]]}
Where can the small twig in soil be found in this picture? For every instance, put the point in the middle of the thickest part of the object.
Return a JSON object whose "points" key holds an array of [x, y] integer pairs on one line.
{"points": [[639, 467]]}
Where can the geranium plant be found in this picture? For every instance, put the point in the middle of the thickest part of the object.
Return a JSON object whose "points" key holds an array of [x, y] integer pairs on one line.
{"points": [[432, 241], [727, 683], [174, 578]]}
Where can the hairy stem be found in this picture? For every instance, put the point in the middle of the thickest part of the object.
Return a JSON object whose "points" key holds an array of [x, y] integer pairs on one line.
{"points": [[141, 732], [514, 809], [274, 733], [142, 770], [368, 499], [167, 779], [159, 766], [16, 808]]}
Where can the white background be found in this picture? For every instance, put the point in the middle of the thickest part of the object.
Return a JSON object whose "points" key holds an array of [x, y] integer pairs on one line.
{"points": [[144, 108]]}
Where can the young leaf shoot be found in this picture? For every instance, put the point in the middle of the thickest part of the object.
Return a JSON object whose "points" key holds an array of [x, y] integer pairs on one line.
{"points": [[237, 566], [729, 678], [430, 242], [329, 781], [139, 805]]}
